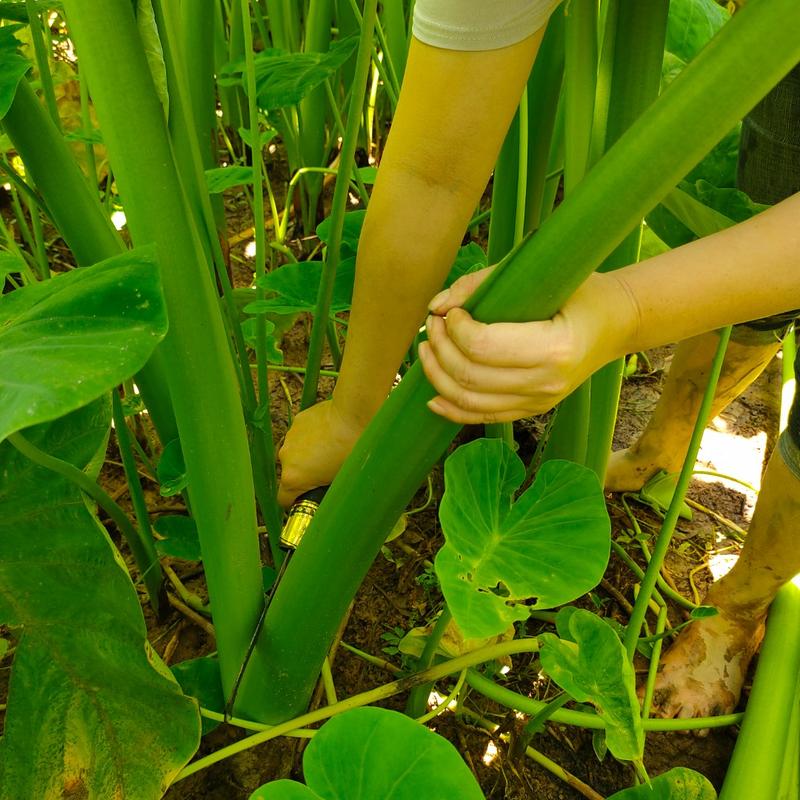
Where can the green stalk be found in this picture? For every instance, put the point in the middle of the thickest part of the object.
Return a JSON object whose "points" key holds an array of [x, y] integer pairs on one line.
{"points": [[196, 352], [81, 220], [418, 698], [670, 520], [789, 786], [370, 491], [43, 61], [582, 719], [789, 353], [396, 43], [313, 108], [339, 206], [86, 122], [142, 547], [272, 514], [755, 769], [570, 429], [637, 44]]}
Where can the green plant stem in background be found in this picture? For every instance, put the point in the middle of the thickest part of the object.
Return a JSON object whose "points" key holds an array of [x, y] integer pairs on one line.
{"points": [[789, 354], [396, 38], [636, 42], [418, 698], [583, 719], [196, 351], [43, 61], [339, 207], [272, 516], [142, 547], [670, 520], [654, 658], [755, 768]]}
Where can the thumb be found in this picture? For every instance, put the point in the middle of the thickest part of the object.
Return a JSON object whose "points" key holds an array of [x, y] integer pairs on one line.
{"points": [[458, 293]]}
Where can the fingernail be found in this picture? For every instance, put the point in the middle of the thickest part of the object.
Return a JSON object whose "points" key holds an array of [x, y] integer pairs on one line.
{"points": [[434, 405], [439, 300]]}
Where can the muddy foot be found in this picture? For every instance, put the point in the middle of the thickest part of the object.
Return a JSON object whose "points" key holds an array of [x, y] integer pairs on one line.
{"points": [[628, 470], [703, 672]]}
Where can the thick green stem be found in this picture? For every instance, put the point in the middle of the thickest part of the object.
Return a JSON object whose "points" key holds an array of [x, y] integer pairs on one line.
{"points": [[339, 207], [755, 769], [196, 351], [43, 61], [670, 520], [370, 492], [142, 547]]}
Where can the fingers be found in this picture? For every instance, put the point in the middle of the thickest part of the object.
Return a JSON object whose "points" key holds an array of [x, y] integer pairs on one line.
{"points": [[458, 293]]}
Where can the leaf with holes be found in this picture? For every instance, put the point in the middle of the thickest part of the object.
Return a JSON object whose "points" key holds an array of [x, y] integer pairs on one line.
{"points": [[590, 663], [371, 753], [552, 544], [680, 783]]}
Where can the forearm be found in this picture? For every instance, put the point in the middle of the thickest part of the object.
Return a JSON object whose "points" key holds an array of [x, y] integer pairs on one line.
{"points": [[437, 162], [746, 272]]}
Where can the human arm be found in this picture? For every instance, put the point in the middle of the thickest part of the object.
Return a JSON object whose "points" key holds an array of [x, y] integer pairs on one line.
{"points": [[454, 110], [504, 371]]}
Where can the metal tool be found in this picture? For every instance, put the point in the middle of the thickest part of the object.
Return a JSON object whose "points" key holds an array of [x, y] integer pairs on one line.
{"points": [[300, 515]]}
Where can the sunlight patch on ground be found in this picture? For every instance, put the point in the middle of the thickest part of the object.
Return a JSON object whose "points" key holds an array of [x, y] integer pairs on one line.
{"points": [[720, 564], [250, 250], [490, 754], [119, 220]]}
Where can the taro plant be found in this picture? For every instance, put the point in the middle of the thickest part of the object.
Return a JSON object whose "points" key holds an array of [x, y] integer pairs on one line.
{"points": [[92, 710]]}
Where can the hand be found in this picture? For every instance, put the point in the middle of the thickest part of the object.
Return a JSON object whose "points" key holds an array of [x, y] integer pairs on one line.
{"points": [[316, 445], [506, 371]]}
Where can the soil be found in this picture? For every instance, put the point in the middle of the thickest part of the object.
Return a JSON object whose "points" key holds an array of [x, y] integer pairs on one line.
{"points": [[399, 594]]}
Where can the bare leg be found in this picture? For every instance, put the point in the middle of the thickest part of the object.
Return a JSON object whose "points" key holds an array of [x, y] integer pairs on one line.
{"points": [[703, 672], [664, 442]]}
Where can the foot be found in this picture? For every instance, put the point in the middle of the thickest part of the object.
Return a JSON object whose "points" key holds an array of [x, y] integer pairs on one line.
{"points": [[629, 469], [703, 672]]}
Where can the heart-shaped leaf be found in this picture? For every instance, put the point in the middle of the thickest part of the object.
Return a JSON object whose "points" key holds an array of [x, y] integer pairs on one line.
{"points": [[65, 341], [680, 783], [92, 711], [351, 231], [283, 79], [200, 678], [171, 470], [180, 537], [590, 663], [552, 544], [691, 25], [10, 264], [221, 178], [470, 258], [12, 66], [371, 753], [296, 286]]}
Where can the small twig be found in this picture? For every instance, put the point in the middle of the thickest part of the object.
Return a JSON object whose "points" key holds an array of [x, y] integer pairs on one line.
{"points": [[617, 595], [172, 645], [189, 613]]}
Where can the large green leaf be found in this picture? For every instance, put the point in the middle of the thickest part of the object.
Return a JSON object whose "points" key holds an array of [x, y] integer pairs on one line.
{"points": [[12, 67], [677, 784], [371, 753], [552, 544], [65, 341], [200, 678], [295, 288], [283, 79], [691, 25], [590, 663], [92, 712], [351, 231]]}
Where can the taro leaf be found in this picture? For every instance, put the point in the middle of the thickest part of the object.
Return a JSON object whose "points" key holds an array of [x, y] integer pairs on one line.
{"points": [[371, 753], [590, 663], [272, 351], [551, 545], [732, 203], [283, 79], [12, 67], [265, 137], [671, 67], [691, 25], [284, 790], [200, 678], [368, 175], [703, 612], [680, 783], [92, 711], [697, 217], [65, 341], [720, 165], [296, 287], [659, 491], [181, 539], [10, 263], [171, 470], [470, 258], [222, 178], [351, 231]]}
